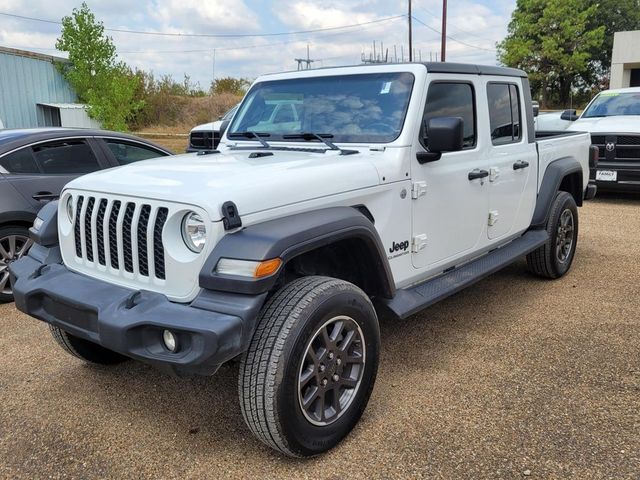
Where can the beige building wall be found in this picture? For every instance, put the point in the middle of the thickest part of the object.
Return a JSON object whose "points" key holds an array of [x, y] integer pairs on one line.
{"points": [[625, 60]]}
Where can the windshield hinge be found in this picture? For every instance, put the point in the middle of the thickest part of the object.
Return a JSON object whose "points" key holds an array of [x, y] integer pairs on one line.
{"points": [[418, 189], [230, 216], [418, 243]]}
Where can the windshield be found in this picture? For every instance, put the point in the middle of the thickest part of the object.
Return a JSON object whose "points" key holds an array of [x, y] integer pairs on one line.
{"points": [[229, 114], [367, 108], [608, 104]]}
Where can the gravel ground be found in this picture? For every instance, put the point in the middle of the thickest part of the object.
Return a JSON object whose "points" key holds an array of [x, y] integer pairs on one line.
{"points": [[514, 377]]}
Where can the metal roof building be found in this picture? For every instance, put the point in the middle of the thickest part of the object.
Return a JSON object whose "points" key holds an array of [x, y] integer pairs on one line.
{"points": [[33, 93]]}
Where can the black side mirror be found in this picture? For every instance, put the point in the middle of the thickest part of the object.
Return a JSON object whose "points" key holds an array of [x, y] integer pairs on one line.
{"points": [[569, 115], [444, 134], [536, 109]]}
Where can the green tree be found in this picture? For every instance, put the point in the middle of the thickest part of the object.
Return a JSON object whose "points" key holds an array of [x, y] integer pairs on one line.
{"points": [[105, 84], [553, 41], [615, 16], [234, 86]]}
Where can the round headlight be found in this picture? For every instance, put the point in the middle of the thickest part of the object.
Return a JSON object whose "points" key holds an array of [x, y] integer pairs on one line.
{"points": [[70, 208], [194, 232]]}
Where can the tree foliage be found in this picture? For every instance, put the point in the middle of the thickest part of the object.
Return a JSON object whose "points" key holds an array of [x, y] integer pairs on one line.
{"points": [[105, 84], [554, 42], [615, 16], [234, 86]]}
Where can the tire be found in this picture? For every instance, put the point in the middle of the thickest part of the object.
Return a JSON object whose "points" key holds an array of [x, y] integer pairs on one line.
{"points": [[84, 349], [554, 258], [292, 322], [14, 243]]}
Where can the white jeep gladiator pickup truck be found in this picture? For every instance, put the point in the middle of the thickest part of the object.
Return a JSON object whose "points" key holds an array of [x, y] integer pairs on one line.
{"points": [[389, 188]]}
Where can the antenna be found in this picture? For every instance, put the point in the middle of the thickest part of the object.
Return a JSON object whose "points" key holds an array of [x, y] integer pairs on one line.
{"points": [[304, 61]]}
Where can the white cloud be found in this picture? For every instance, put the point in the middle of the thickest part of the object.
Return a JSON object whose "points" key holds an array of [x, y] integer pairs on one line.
{"points": [[474, 22], [204, 16]]}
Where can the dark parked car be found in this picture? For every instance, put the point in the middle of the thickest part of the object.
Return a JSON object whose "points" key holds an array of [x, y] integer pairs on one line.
{"points": [[34, 166]]}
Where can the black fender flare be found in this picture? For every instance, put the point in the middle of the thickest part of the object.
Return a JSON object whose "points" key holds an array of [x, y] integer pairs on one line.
{"points": [[13, 217], [288, 237], [554, 174]]}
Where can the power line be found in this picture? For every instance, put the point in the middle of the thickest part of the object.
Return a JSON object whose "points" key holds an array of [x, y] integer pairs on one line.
{"points": [[206, 35], [208, 50], [453, 38], [458, 28]]}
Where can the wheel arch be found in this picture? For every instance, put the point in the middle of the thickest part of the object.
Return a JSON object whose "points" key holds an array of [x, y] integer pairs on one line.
{"points": [[337, 241], [17, 219], [564, 174]]}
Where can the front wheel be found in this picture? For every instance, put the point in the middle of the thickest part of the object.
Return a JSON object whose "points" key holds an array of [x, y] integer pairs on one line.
{"points": [[84, 349], [14, 244], [308, 373], [554, 258]]}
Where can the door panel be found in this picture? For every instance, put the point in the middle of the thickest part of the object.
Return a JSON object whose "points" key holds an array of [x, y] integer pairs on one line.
{"points": [[512, 163], [453, 211]]}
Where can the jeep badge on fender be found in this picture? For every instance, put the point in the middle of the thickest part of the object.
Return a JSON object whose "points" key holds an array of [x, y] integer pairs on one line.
{"points": [[399, 246]]}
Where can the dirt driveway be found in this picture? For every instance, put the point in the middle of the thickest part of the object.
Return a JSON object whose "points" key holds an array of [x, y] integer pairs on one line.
{"points": [[514, 377]]}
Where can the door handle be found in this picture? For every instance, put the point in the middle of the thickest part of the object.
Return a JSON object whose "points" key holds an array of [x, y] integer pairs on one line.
{"points": [[45, 196], [520, 164], [477, 173]]}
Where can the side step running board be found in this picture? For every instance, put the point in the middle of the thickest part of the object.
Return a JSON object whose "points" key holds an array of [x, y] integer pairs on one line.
{"points": [[413, 299]]}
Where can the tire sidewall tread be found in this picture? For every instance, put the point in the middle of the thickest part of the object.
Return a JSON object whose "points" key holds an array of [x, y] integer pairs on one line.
{"points": [[268, 383]]}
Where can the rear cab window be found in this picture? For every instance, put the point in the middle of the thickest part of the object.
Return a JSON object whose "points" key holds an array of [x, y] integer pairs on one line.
{"points": [[505, 113]]}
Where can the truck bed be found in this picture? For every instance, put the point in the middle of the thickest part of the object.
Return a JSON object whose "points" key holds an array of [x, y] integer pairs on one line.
{"points": [[557, 144], [546, 134]]}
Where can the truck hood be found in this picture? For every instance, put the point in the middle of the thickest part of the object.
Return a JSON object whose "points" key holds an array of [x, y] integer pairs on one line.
{"points": [[253, 184], [208, 127], [614, 124]]}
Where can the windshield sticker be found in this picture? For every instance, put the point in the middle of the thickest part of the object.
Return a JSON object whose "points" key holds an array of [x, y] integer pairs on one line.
{"points": [[386, 88], [609, 94]]}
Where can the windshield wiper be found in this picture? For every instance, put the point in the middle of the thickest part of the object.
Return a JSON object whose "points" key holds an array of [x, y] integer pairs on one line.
{"points": [[249, 134], [323, 137]]}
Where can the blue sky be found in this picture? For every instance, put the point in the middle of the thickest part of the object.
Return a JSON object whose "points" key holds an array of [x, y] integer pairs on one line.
{"points": [[473, 25]]}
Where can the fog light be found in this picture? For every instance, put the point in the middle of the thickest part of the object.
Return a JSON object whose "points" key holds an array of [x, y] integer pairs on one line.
{"points": [[170, 341]]}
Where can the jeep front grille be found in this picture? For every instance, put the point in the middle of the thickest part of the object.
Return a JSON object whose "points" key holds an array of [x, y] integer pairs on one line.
{"points": [[121, 234]]}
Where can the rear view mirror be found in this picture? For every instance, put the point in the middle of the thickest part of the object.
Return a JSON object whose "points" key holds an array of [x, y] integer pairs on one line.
{"points": [[569, 115], [536, 108], [444, 134]]}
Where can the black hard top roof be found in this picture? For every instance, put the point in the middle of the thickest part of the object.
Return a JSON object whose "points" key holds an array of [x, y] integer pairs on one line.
{"points": [[14, 138], [470, 68], [441, 67]]}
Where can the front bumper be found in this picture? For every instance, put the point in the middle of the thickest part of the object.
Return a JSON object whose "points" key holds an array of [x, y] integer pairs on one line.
{"points": [[131, 322], [628, 177]]}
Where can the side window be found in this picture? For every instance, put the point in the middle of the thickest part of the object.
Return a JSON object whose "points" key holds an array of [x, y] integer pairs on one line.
{"points": [[127, 153], [20, 161], [504, 113], [452, 100], [65, 157]]}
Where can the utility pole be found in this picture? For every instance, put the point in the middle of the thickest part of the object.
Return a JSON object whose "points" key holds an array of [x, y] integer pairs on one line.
{"points": [[410, 34], [443, 44]]}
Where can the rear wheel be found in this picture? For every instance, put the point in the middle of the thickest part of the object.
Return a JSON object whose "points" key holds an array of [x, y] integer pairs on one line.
{"points": [[554, 258], [14, 243], [308, 373], [84, 349]]}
